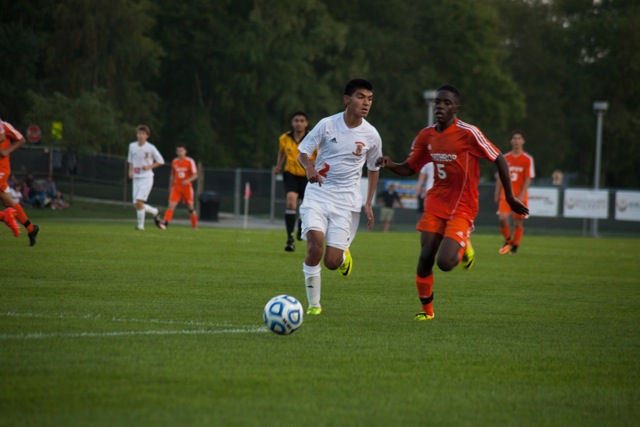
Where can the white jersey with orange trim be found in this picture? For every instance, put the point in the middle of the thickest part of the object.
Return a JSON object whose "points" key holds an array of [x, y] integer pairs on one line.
{"points": [[342, 153], [143, 155]]}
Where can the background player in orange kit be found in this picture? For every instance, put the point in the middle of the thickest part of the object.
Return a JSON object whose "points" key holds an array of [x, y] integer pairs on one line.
{"points": [[11, 140], [521, 170], [455, 149], [183, 173]]}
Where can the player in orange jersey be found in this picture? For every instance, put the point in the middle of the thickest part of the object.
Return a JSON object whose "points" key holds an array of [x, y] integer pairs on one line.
{"points": [[521, 170], [455, 149], [183, 173], [11, 140]]}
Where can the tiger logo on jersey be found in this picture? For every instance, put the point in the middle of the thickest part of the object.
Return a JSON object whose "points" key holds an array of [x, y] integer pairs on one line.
{"points": [[359, 147]]}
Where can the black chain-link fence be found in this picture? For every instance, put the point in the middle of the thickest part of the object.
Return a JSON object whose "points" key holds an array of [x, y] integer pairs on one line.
{"points": [[105, 177]]}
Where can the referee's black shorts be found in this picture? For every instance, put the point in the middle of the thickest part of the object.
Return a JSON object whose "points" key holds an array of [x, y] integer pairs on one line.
{"points": [[294, 183]]}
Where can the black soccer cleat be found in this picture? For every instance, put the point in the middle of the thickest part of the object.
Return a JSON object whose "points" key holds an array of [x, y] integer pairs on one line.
{"points": [[159, 222], [291, 246], [33, 235]]}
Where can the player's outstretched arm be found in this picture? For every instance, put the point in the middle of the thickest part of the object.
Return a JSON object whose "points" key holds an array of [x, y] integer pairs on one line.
{"points": [[401, 169], [309, 166], [503, 172]]}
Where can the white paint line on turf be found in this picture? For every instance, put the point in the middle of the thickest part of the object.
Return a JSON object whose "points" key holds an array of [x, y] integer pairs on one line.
{"points": [[43, 335], [220, 328], [92, 316]]}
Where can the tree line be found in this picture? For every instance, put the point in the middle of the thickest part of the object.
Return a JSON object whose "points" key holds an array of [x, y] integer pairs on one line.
{"points": [[224, 76]]}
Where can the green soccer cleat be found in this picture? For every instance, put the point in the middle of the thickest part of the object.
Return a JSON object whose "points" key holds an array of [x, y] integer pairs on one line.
{"points": [[423, 316], [314, 311], [347, 265], [468, 257]]}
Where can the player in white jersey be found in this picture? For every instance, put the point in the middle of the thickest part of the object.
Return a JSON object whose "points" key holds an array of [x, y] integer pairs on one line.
{"points": [[143, 158], [332, 200]]}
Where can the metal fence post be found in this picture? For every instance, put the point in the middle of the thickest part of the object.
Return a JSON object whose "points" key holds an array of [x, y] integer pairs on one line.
{"points": [[272, 208], [237, 192]]}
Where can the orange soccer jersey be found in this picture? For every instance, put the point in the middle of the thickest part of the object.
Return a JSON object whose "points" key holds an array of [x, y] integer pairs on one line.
{"points": [[11, 135], [182, 170], [456, 154], [520, 169]]}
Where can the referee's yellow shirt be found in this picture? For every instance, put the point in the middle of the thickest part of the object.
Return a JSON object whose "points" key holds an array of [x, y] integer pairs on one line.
{"points": [[290, 147]]}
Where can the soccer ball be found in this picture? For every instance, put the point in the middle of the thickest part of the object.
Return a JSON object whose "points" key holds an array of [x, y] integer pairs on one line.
{"points": [[283, 314]]}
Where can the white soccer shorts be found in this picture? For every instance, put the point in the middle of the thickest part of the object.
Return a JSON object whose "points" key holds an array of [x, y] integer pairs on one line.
{"points": [[338, 225], [142, 188]]}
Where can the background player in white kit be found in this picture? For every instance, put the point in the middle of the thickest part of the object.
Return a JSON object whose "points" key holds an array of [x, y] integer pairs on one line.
{"points": [[332, 201], [143, 157]]}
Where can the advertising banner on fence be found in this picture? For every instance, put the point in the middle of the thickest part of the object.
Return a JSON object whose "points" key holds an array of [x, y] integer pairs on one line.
{"points": [[628, 205], [543, 201], [586, 204], [406, 189]]}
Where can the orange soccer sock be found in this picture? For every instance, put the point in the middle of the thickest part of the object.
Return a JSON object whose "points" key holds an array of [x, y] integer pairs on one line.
{"points": [[506, 232], [517, 235], [194, 220], [425, 292], [22, 217], [168, 215]]}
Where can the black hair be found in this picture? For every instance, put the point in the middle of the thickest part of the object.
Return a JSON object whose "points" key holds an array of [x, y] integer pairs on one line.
{"points": [[517, 132], [299, 113], [355, 84], [450, 88]]}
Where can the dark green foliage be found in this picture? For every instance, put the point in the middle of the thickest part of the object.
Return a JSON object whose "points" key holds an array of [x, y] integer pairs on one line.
{"points": [[224, 76]]}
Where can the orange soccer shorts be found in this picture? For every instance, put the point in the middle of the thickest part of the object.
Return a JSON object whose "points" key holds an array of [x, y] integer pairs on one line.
{"points": [[458, 229], [4, 177], [182, 193], [504, 208]]}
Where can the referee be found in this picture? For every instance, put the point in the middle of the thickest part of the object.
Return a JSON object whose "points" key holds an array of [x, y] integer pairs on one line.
{"points": [[294, 175]]}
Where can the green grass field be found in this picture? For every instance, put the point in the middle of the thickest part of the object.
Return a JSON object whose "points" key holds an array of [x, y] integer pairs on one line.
{"points": [[101, 325]]}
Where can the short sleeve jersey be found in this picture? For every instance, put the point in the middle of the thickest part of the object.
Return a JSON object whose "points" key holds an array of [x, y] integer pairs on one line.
{"points": [[456, 154], [520, 168], [11, 135], [143, 155], [342, 153], [290, 147], [182, 170]]}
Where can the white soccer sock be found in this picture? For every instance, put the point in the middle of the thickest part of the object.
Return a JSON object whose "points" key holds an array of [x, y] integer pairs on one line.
{"points": [[140, 215], [312, 283], [151, 209]]}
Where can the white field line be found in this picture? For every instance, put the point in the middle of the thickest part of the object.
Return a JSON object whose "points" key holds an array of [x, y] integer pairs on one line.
{"points": [[212, 328]]}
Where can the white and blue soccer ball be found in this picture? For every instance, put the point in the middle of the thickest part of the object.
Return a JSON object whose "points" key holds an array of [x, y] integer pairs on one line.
{"points": [[283, 314]]}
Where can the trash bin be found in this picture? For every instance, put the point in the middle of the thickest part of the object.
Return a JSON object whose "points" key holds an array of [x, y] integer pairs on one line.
{"points": [[209, 206]]}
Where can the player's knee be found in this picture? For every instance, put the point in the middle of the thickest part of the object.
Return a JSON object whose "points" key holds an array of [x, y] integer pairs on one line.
{"points": [[447, 263], [333, 263]]}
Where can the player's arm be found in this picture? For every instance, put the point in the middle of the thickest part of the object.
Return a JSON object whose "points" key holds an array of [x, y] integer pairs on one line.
{"points": [[192, 178], [525, 188], [281, 156], [503, 172], [401, 169], [13, 147], [152, 166], [158, 160], [371, 193], [496, 194], [130, 170], [309, 166]]}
